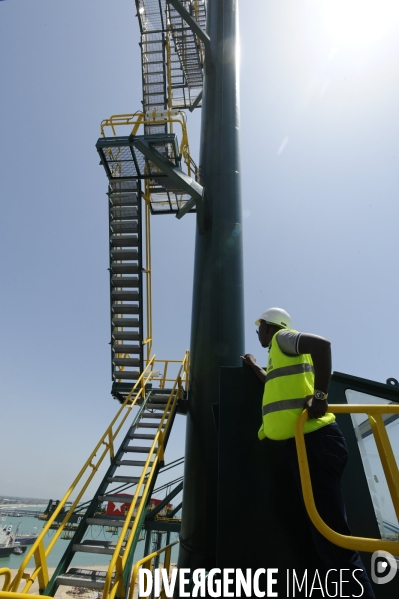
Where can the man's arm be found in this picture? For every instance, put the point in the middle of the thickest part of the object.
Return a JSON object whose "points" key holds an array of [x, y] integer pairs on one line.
{"points": [[250, 360], [320, 350]]}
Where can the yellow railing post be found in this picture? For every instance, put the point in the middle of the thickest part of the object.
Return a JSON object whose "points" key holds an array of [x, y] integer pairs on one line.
{"points": [[111, 444], [389, 463], [147, 563], [41, 565], [6, 572], [346, 541]]}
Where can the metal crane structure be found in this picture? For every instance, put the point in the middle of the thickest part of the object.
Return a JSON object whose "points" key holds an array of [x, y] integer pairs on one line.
{"points": [[146, 157]]}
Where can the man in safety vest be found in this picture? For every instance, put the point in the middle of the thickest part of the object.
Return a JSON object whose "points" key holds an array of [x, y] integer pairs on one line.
{"points": [[297, 376]]}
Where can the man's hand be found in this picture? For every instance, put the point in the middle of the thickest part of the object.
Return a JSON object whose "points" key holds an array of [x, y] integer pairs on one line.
{"points": [[248, 359], [316, 407]]}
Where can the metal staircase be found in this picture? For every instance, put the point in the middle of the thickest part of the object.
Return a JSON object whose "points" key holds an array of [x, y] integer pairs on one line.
{"points": [[126, 283], [172, 56], [130, 466]]}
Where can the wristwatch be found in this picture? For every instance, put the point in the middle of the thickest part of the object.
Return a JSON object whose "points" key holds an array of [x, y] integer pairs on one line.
{"points": [[320, 395]]}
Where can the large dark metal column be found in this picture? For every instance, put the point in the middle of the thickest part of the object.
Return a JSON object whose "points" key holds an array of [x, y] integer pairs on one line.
{"points": [[217, 334]]}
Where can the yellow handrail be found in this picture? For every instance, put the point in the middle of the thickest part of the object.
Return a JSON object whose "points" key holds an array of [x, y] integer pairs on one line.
{"points": [[12, 595], [6, 572], [164, 379], [139, 118], [90, 468], [147, 560], [374, 412], [118, 562]]}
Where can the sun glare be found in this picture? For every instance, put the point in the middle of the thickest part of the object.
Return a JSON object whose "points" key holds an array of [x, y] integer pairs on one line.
{"points": [[357, 23]]}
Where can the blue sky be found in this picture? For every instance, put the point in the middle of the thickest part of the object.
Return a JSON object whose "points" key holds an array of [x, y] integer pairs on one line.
{"points": [[319, 147]]}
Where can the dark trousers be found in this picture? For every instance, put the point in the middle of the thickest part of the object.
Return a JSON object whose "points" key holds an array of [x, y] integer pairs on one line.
{"points": [[327, 456]]}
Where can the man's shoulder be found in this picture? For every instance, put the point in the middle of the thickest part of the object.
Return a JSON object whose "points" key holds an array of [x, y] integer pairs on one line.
{"points": [[288, 340]]}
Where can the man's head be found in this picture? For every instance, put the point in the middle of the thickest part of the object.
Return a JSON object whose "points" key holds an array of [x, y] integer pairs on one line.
{"points": [[271, 321]]}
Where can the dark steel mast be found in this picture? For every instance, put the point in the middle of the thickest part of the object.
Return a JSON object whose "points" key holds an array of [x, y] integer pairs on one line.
{"points": [[217, 332]]}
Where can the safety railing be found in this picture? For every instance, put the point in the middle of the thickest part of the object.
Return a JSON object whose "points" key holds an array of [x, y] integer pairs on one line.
{"points": [[389, 465], [147, 563], [6, 572], [162, 379], [147, 271], [139, 119], [104, 447], [114, 584]]}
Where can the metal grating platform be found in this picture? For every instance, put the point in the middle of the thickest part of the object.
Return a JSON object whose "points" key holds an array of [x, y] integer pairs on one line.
{"points": [[123, 162]]}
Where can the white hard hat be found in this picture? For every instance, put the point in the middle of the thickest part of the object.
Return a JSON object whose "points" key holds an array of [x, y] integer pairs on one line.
{"points": [[276, 316]]}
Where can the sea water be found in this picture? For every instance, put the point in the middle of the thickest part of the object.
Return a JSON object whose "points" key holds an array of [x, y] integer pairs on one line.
{"points": [[30, 524]]}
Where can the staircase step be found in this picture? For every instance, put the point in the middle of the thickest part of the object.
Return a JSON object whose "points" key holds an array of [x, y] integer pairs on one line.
{"points": [[125, 322], [125, 254], [142, 436], [157, 416], [79, 577], [125, 308], [137, 449], [119, 268], [126, 361], [125, 296], [126, 374], [117, 521], [123, 479], [160, 397], [128, 199], [130, 226], [140, 463], [126, 335], [124, 240], [155, 406], [125, 282], [105, 547], [131, 463], [117, 498], [126, 349], [122, 213], [147, 425], [125, 186]]}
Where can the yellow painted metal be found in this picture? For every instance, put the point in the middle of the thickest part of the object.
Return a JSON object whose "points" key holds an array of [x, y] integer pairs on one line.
{"points": [[387, 458], [6, 572], [41, 564], [114, 587], [147, 562], [389, 465], [165, 379], [169, 73], [79, 485], [138, 119], [11, 595], [147, 270]]}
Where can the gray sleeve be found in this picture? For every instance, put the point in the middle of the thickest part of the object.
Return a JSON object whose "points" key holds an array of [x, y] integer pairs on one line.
{"points": [[288, 342]]}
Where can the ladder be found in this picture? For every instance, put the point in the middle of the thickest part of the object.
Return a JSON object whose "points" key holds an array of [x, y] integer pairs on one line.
{"points": [[129, 467], [126, 284]]}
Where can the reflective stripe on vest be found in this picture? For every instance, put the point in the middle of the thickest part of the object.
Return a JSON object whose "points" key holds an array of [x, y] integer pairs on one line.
{"points": [[287, 370], [285, 404]]}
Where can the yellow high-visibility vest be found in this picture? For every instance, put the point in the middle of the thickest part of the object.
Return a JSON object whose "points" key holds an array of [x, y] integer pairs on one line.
{"points": [[289, 385]]}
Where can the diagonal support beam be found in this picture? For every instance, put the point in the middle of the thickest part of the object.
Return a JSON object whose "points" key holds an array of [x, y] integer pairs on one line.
{"points": [[173, 172], [196, 102], [191, 22], [152, 513]]}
